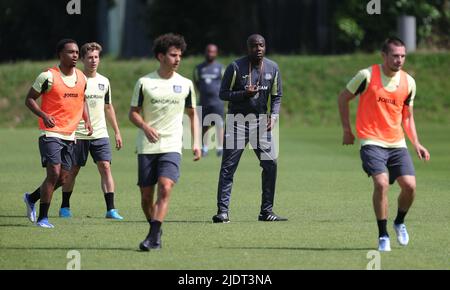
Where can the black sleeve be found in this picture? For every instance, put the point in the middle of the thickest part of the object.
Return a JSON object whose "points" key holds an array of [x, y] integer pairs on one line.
{"points": [[107, 97], [408, 100], [44, 87], [141, 97], [277, 92], [196, 76], [275, 104], [188, 101], [361, 87], [226, 87]]}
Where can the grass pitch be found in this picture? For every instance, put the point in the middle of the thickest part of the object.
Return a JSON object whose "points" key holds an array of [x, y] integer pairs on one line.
{"points": [[321, 188]]}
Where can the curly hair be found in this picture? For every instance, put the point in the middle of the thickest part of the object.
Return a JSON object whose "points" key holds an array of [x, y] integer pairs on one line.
{"points": [[163, 42]]}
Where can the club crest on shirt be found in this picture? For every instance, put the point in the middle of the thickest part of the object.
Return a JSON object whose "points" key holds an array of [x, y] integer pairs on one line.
{"points": [[268, 76], [176, 89], [101, 87]]}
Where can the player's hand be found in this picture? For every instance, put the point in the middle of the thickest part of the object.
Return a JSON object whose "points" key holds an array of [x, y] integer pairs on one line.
{"points": [[118, 138], [422, 152], [151, 134], [251, 91], [88, 127], [197, 153], [49, 121], [270, 123], [348, 138]]}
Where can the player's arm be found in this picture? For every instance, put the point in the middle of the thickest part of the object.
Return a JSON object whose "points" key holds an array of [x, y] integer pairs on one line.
{"points": [[136, 118], [226, 87], [344, 110], [111, 116], [40, 85], [196, 78], [134, 115], [30, 102], [356, 86], [275, 101], [410, 128], [192, 114], [86, 117]]}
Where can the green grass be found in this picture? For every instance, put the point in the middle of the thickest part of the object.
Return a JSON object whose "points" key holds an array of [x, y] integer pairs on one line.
{"points": [[311, 85], [321, 188]]}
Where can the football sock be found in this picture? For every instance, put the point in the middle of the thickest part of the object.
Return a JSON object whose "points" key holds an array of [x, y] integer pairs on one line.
{"points": [[66, 199], [43, 211], [35, 196], [149, 221], [155, 226], [109, 199], [400, 217], [382, 230]]}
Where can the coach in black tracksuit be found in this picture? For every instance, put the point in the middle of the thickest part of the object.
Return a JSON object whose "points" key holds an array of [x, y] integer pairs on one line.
{"points": [[247, 85]]}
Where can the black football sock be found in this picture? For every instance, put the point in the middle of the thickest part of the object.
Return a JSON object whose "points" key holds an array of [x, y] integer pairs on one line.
{"points": [[66, 199], [109, 199], [149, 221], [43, 211], [35, 196], [400, 217], [382, 230], [155, 226]]}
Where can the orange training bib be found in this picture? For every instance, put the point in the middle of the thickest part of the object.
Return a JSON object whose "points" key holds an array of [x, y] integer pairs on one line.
{"points": [[63, 103], [379, 115]]}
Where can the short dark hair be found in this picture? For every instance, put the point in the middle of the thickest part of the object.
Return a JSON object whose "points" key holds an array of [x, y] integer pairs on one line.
{"points": [[391, 40], [254, 37], [62, 43], [163, 42]]}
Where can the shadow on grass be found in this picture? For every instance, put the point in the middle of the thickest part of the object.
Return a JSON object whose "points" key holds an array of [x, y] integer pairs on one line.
{"points": [[143, 221], [318, 249], [126, 249], [167, 221], [12, 216], [14, 225], [208, 221]]}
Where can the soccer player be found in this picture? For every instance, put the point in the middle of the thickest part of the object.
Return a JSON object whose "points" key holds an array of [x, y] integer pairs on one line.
{"points": [[98, 97], [62, 107], [157, 107], [247, 85], [386, 97], [207, 78]]}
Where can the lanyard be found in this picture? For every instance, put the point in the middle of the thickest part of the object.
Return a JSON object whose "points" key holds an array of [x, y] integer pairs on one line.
{"points": [[250, 73]]}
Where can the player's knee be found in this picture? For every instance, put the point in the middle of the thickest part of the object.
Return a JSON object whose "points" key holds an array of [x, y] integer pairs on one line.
{"points": [[62, 180], [409, 187], [146, 200], [381, 186], [164, 189], [53, 175], [104, 166], [75, 170]]}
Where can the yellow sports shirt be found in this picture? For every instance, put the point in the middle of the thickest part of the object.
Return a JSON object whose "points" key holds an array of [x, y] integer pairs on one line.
{"points": [[163, 102]]}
